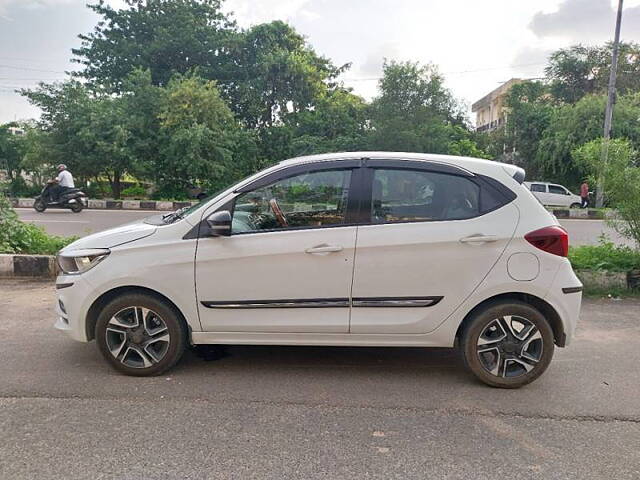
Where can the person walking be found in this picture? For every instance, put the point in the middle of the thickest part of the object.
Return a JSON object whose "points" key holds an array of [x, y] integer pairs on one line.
{"points": [[584, 194]]}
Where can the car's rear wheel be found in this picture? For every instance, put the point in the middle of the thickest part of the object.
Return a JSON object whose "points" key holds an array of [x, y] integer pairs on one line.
{"points": [[508, 345], [140, 335]]}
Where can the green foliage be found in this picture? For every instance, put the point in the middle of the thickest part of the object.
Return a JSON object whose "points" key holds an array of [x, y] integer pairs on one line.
{"points": [[10, 151], [604, 257], [164, 37], [416, 113], [134, 191], [621, 181], [20, 237], [583, 70], [173, 92]]}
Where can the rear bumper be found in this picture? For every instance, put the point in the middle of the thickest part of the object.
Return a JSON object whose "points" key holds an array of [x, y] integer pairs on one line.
{"points": [[565, 295]]}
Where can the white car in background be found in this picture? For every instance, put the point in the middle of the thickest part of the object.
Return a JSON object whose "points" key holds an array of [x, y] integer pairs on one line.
{"points": [[553, 195], [350, 249]]}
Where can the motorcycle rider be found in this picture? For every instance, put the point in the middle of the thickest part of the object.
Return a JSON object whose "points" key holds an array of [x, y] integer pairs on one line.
{"points": [[60, 184]]}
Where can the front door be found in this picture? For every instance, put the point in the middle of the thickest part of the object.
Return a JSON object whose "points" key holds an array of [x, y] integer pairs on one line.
{"points": [[432, 238], [288, 264]]}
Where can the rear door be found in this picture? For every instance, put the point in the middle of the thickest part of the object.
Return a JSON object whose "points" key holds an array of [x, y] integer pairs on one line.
{"points": [[539, 191], [558, 195], [432, 235]]}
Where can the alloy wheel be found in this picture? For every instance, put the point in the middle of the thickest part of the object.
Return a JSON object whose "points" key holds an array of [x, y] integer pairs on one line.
{"points": [[509, 346], [137, 337]]}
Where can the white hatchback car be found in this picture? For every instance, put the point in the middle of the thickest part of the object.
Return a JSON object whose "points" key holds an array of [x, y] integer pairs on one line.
{"points": [[351, 249], [554, 195]]}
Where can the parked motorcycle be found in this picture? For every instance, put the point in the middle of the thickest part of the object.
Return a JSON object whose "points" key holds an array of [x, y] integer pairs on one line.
{"points": [[73, 199]]}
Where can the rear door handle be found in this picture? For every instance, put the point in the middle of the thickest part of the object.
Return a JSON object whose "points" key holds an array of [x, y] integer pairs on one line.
{"points": [[479, 239], [324, 248]]}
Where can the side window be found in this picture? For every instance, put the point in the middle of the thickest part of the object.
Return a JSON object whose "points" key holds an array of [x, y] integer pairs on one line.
{"points": [[557, 189], [538, 187], [413, 195], [313, 199]]}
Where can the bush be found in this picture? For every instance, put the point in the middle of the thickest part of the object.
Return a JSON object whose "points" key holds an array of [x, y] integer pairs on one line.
{"points": [[604, 257], [134, 191], [622, 181], [20, 237], [18, 187]]}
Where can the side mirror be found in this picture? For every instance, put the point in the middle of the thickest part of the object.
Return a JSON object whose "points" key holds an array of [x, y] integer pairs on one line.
{"points": [[219, 224]]}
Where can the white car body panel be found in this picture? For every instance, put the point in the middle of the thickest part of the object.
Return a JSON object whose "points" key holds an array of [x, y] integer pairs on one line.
{"points": [[424, 258], [274, 265]]}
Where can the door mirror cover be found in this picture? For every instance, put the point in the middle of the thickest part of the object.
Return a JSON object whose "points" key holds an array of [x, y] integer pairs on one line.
{"points": [[219, 224]]}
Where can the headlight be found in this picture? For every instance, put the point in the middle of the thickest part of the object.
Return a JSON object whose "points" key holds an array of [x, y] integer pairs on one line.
{"points": [[76, 262]]}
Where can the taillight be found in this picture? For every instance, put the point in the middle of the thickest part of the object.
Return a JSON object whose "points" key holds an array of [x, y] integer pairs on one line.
{"points": [[553, 240]]}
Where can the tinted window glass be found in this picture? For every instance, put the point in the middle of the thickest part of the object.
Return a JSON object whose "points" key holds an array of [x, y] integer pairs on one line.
{"points": [[312, 199], [557, 189], [410, 195], [537, 187]]}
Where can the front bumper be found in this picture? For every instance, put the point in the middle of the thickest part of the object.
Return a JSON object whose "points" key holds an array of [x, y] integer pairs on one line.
{"points": [[72, 305]]}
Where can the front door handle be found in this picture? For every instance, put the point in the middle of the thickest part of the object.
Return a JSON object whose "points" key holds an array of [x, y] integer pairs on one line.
{"points": [[324, 248], [479, 238]]}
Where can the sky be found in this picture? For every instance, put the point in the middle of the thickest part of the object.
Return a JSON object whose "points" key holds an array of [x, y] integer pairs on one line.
{"points": [[476, 44]]}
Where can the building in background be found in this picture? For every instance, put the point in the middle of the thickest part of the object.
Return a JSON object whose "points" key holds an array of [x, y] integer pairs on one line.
{"points": [[16, 131], [490, 110]]}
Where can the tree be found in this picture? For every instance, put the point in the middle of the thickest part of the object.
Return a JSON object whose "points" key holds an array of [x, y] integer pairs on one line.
{"points": [[87, 132], [337, 123], [416, 113], [582, 70], [162, 36], [573, 125], [275, 73], [530, 111], [622, 181], [10, 151], [198, 135]]}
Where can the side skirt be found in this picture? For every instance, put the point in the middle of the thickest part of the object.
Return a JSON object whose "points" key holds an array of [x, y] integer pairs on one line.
{"points": [[433, 339]]}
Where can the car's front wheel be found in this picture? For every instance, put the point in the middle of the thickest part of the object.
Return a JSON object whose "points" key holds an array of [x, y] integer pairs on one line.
{"points": [[140, 335], [508, 345]]}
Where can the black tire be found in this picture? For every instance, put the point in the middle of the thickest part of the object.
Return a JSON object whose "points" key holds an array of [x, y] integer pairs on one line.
{"points": [[175, 328], [515, 373], [77, 207], [39, 206], [575, 205]]}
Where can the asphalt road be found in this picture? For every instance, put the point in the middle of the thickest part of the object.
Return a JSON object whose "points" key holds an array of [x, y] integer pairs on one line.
{"points": [[306, 412], [66, 223]]}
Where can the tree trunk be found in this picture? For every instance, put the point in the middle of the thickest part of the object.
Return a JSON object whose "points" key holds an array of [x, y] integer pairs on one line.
{"points": [[115, 184]]}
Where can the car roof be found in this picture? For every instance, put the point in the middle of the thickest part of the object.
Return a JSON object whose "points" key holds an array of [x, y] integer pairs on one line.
{"points": [[475, 165]]}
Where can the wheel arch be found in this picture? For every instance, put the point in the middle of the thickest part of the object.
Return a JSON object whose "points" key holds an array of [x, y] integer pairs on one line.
{"points": [[99, 303], [544, 307]]}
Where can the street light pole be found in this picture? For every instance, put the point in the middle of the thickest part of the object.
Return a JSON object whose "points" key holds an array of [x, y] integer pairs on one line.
{"points": [[608, 116]]}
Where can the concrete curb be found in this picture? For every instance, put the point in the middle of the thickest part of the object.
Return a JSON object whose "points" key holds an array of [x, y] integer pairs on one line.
{"points": [[116, 204], [578, 214], [38, 266]]}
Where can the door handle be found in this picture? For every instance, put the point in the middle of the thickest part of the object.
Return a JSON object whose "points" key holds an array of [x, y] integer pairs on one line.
{"points": [[479, 238], [324, 248]]}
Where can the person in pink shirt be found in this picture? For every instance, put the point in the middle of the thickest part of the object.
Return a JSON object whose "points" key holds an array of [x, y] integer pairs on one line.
{"points": [[584, 194]]}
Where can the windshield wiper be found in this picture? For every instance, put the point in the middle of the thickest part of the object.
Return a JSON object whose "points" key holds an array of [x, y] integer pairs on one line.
{"points": [[173, 216]]}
